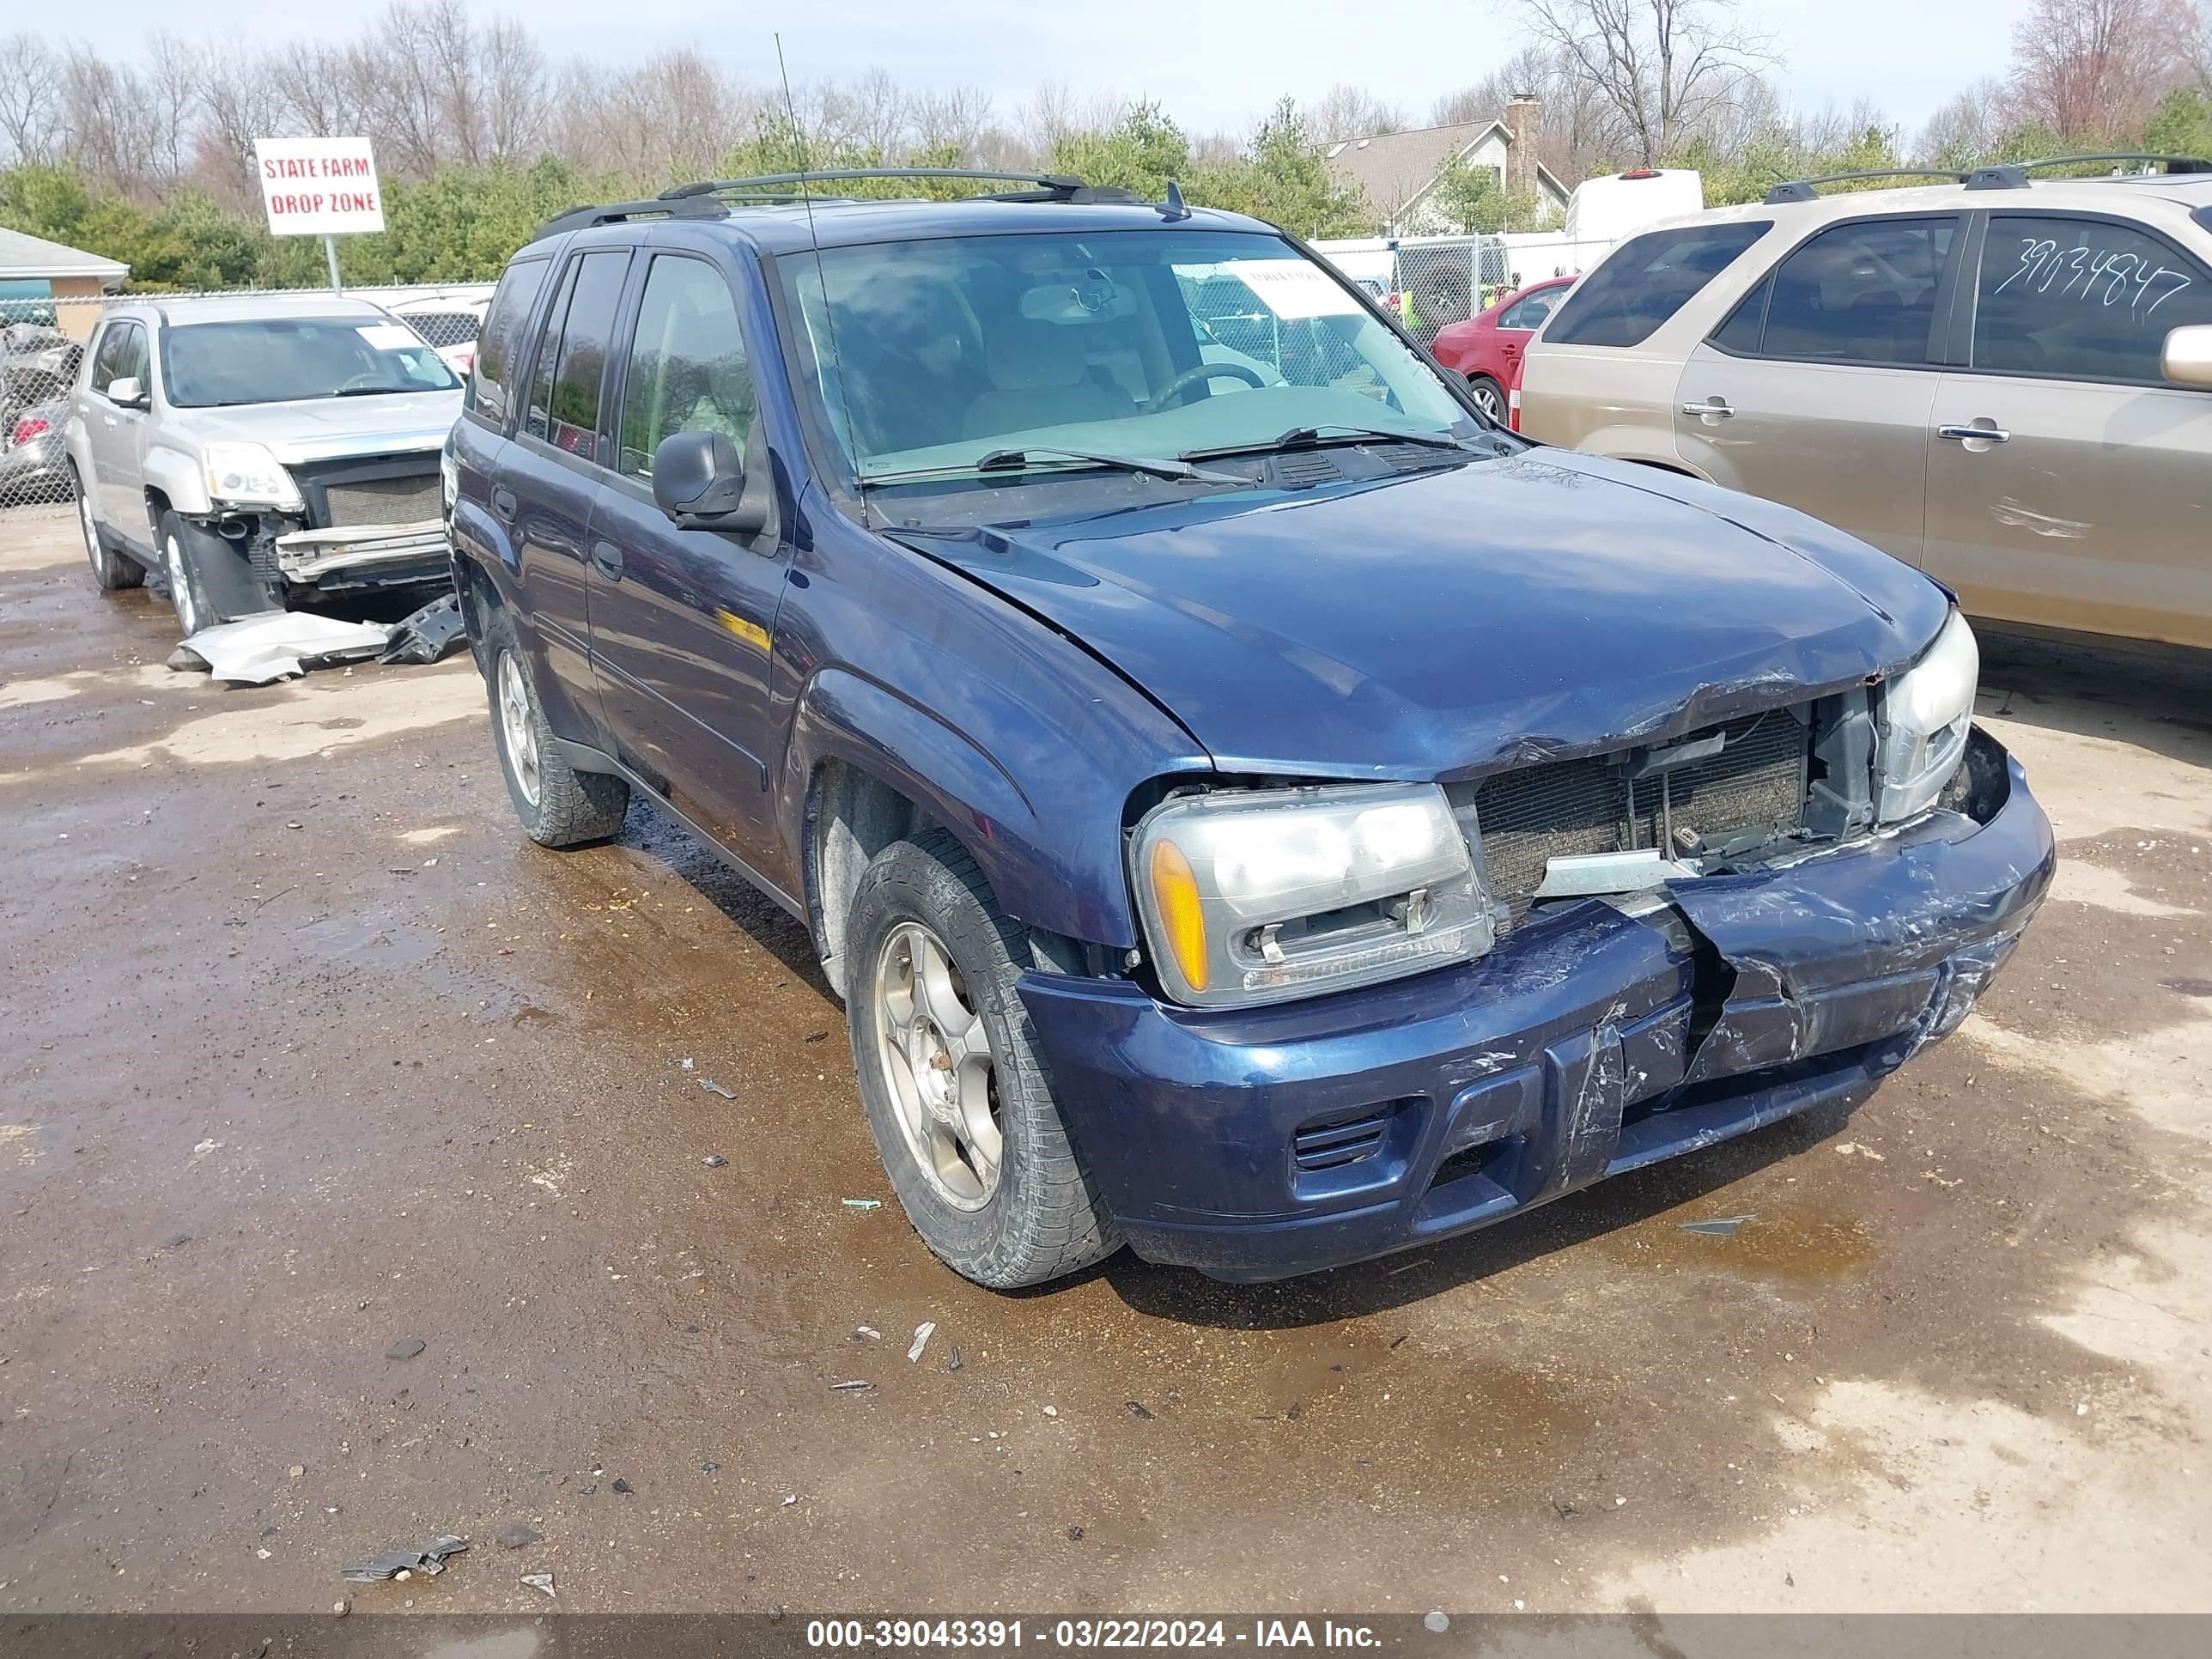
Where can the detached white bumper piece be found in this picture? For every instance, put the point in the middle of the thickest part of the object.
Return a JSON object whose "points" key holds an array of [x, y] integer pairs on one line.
{"points": [[304, 555], [277, 645]]}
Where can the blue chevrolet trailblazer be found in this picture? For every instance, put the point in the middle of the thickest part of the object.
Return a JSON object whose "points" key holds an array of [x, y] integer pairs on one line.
{"points": [[1255, 810]]}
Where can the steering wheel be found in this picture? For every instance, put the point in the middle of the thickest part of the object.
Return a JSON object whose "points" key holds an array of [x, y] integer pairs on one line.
{"points": [[1191, 376], [364, 381]]}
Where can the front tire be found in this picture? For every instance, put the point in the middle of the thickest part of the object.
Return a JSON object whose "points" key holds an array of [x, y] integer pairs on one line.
{"points": [[111, 570], [956, 1097], [557, 806]]}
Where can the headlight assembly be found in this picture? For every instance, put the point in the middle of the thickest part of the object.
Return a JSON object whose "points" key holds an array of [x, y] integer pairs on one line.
{"points": [[1258, 895], [1926, 712], [247, 475]]}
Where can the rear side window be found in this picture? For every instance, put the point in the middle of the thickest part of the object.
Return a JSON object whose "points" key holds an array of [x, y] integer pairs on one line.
{"points": [[2081, 299], [511, 302], [1530, 313], [537, 422], [1648, 279], [581, 367], [1860, 293]]}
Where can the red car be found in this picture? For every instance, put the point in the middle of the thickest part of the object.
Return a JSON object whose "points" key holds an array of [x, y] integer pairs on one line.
{"points": [[1487, 349]]}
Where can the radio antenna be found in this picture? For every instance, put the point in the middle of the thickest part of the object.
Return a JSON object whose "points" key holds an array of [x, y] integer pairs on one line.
{"points": [[843, 412]]}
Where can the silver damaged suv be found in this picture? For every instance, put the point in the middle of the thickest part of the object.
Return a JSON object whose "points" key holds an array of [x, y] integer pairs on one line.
{"points": [[256, 452]]}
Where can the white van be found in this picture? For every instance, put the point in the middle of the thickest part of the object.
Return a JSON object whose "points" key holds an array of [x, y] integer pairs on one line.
{"points": [[1618, 204]]}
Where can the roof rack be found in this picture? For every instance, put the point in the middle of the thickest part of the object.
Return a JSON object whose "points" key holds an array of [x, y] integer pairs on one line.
{"points": [[1999, 175], [1056, 184], [1806, 190], [712, 198], [2013, 175], [615, 213]]}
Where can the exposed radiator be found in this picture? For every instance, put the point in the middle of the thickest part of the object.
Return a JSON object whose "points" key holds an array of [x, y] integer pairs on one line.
{"points": [[1533, 814], [384, 500]]}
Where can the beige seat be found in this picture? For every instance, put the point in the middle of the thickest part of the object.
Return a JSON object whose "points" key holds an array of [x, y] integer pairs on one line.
{"points": [[1039, 377]]}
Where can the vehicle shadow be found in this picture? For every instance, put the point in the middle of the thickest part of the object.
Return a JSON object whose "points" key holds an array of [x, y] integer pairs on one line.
{"points": [[1394, 1281], [2158, 697]]}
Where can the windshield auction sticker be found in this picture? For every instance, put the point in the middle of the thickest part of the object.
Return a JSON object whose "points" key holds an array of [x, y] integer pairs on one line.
{"points": [[1292, 289]]}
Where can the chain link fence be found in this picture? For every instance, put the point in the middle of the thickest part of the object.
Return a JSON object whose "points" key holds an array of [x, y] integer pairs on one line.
{"points": [[43, 341]]}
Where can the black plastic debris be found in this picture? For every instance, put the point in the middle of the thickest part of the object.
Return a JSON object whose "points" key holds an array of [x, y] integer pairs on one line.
{"points": [[1719, 1226], [431, 634], [405, 1348], [624, 1486], [854, 1386], [429, 1560], [1138, 1410]]}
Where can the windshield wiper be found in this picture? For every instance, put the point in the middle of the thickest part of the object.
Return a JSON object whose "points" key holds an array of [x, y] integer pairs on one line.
{"points": [[371, 391], [1310, 437], [1015, 460]]}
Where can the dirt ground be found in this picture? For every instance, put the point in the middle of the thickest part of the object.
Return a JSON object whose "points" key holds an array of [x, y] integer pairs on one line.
{"points": [[309, 1058]]}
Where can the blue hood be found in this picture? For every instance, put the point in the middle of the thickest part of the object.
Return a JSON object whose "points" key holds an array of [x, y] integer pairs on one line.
{"points": [[1451, 621]]}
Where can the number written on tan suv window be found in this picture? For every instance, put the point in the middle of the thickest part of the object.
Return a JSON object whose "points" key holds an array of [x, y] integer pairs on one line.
{"points": [[2065, 474]]}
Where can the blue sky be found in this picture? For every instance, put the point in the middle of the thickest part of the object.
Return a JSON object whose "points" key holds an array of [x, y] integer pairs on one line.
{"points": [[1216, 64]]}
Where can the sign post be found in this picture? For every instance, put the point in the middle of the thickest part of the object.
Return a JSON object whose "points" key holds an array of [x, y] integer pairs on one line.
{"points": [[323, 187]]}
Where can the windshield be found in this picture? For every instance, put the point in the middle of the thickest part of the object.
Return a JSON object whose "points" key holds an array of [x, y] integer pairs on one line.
{"points": [[281, 360], [1146, 343]]}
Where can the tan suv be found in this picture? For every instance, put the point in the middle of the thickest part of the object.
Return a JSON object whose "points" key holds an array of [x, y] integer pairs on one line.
{"points": [[2004, 380]]}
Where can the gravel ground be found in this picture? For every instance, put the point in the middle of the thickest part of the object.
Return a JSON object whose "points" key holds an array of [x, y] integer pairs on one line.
{"points": [[354, 1189]]}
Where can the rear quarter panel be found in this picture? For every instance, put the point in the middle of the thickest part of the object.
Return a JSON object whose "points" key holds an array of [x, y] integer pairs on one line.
{"points": [[1602, 401]]}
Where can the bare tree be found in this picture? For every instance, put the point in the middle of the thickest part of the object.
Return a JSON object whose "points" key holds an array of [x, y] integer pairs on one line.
{"points": [[870, 114], [31, 114], [105, 119], [2200, 45], [1665, 67], [956, 121], [175, 75], [515, 91], [316, 87], [1577, 128], [1349, 112], [2094, 69], [1968, 127], [244, 102]]}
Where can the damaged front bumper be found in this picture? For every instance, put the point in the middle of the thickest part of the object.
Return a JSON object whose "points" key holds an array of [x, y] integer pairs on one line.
{"points": [[353, 555], [1257, 1143]]}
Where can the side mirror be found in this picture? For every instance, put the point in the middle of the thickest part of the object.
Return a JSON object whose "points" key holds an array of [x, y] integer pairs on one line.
{"points": [[127, 392], [699, 482], [2187, 359]]}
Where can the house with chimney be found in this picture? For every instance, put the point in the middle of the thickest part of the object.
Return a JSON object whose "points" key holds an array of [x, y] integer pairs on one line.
{"points": [[1398, 172]]}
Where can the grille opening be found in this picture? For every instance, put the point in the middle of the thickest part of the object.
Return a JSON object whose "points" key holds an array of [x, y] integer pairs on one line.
{"points": [[1346, 1140], [1467, 1161], [384, 500], [1753, 786]]}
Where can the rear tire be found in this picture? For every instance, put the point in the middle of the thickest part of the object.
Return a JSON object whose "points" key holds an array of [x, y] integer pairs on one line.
{"points": [[1489, 397], [111, 571], [557, 806], [956, 1097]]}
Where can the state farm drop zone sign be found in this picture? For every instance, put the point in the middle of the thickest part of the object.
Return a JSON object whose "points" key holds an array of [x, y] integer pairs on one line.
{"points": [[318, 187]]}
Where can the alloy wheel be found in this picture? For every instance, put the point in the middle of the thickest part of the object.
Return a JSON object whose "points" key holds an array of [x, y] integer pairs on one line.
{"points": [[518, 726], [180, 589], [936, 1058]]}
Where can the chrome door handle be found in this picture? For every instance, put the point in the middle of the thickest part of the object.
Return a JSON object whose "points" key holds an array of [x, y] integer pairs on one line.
{"points": [[1714, 409], [1994, 434], [108, 420]]}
